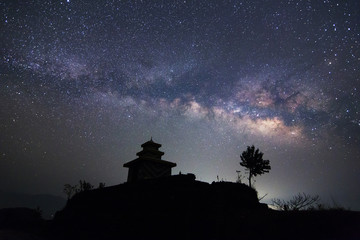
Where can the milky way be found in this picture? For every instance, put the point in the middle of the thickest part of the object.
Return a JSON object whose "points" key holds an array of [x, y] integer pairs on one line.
{"points": [[85, 83]]}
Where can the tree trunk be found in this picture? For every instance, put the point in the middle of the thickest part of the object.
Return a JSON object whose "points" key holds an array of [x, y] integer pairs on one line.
{"points": [[250, 175]]}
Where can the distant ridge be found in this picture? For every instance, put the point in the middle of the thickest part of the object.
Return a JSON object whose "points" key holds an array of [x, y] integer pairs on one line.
{"points": [[47, 203]]}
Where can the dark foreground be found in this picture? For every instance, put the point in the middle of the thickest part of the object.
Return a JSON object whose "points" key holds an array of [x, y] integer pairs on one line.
{"points": [[178, 208]]}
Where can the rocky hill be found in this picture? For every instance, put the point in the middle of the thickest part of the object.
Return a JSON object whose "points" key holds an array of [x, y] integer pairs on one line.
{"points": [[179, 207], [159, 207]]}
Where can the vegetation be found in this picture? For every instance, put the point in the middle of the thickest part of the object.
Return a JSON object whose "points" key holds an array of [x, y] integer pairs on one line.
{"points": [[85, 186], [71, 190], [254, 163], [301, 201]]}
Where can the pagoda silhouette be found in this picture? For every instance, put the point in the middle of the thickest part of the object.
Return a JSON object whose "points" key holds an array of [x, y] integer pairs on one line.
{"points": [[149, 164]]}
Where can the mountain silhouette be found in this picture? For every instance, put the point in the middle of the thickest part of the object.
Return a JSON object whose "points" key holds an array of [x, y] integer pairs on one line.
{"points": [[48, 204]]}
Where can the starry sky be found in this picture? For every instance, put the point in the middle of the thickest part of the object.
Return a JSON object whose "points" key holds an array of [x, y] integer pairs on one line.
{"points": [[84, 83]]}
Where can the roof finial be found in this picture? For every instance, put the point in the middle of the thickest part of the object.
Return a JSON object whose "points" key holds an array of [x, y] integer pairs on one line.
{"points": [[151, 139]]}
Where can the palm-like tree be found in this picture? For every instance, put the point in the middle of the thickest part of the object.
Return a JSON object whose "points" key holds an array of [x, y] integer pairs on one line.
{"points": [[253, 161]]}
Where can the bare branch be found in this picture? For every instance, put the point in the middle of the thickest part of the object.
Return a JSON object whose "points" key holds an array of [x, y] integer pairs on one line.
{"points": [[300, 201], [261, 198]]}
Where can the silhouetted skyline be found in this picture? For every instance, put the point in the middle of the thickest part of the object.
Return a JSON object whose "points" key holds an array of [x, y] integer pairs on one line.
{"points": [[84, 84]]}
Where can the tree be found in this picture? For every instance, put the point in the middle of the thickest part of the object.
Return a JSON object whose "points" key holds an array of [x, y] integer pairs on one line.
{"points": [[253, 161], [298, 202], [70, 190], [85, 186]]}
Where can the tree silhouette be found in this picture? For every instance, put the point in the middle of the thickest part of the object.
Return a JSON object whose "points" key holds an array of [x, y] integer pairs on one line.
{"points": [[297, 202], [70, 190], [101, 185], [85, 186], [253, 161]]}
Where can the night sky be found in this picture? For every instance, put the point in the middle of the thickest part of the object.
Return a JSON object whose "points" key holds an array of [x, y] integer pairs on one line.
{"points": [[84, 83]]}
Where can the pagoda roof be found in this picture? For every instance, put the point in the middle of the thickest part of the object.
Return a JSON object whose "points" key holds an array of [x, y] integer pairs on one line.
{"points": [[153, 160], [150, 151], [151, 143]]}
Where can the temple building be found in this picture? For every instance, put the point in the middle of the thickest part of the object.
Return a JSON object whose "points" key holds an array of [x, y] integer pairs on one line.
{"points": [[149, 164]]}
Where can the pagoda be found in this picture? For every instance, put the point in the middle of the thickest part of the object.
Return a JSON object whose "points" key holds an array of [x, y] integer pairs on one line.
{"points": [[149, 164]]}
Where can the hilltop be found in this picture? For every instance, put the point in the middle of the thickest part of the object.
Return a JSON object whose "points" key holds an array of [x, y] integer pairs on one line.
{"points": [[159, 206], [153, 204], [179, 207]]}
